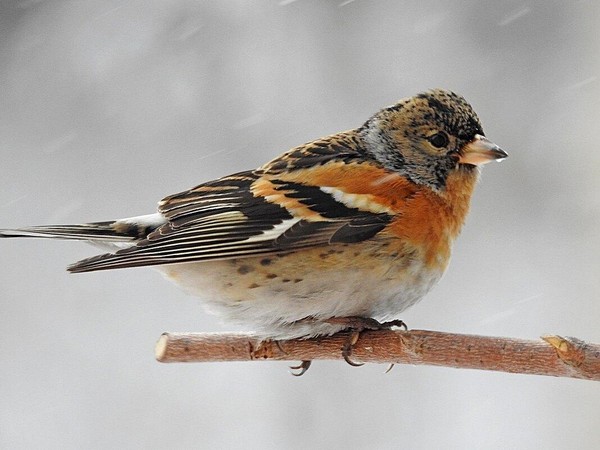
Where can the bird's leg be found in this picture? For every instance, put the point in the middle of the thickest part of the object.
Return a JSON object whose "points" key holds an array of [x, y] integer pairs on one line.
{"points": [[356, 325]]}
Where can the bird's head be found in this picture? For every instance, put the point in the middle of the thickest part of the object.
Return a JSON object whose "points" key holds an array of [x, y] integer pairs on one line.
{"points": [[428, 136]]}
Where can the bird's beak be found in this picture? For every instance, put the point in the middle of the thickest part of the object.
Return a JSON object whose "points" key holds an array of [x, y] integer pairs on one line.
{"points": [[480, 151]]}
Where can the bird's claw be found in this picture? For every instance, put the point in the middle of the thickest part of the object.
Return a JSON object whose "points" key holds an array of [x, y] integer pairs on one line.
{"points": [[347, 348], [302, 368], [393, 323], [357, 325]]}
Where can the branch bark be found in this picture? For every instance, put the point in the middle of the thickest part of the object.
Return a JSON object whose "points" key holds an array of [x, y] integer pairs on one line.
{"points": [[553, 356]]}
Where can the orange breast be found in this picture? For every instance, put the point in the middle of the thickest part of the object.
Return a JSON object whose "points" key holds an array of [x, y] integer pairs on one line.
{"points": [[426, 220], [432, 220]]}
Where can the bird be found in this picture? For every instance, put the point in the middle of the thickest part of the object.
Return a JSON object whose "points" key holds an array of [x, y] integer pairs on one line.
{"points": [[344, 232]]}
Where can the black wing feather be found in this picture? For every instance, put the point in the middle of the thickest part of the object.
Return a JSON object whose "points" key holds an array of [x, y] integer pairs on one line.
{"points": [[223, 219]]}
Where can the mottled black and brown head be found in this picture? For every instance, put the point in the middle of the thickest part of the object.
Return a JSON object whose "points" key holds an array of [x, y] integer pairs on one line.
{"points": [[427, 136]]}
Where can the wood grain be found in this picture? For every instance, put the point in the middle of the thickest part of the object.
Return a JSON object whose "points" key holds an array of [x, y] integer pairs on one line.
{"points": [[552, 356]]}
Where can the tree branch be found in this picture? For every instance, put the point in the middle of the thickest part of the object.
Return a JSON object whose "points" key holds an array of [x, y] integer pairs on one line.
{"points": [[554, 356]]}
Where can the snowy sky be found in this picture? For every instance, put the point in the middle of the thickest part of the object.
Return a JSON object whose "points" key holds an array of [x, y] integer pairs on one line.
{"points": [[108, 106]]}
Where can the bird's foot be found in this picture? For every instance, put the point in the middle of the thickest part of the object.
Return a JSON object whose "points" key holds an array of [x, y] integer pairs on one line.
{"points": [[356, 325]]}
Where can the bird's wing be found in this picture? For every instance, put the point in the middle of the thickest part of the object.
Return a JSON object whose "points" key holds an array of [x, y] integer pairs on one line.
{"points": [[287, 204]]}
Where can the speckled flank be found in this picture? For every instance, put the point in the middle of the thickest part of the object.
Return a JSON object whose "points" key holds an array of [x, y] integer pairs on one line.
{"points": [[288, 289]]}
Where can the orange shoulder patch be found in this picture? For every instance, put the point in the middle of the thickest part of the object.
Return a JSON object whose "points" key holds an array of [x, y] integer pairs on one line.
{"points": [[357, 184]]}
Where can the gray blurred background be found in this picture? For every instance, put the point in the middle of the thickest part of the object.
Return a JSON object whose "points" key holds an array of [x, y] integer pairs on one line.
{"points": [[107, 106]]}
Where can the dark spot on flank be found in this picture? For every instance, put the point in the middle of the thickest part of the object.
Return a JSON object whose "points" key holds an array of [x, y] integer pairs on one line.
{"points": [[229, 284], [297, 280], [331, 251], [271, 276], [253, 286], [323, 255], [286, 280], [356, 254], [243, 270], [265, 261]]}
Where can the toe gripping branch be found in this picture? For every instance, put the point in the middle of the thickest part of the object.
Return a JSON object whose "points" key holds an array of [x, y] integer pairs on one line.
{"points": [[354, 326]]}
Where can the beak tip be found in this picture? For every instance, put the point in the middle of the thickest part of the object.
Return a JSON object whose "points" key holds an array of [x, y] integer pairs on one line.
{"points": [[481, 151], [500, 154]]}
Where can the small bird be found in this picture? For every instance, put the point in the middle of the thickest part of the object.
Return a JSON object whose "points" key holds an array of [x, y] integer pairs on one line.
{"points": [[342, 232]]}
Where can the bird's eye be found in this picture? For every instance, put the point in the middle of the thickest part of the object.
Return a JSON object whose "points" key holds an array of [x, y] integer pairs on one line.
{"points": [[439, 140]]}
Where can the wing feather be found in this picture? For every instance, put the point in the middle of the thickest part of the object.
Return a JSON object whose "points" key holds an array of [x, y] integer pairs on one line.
{"points": [[253, 213]]}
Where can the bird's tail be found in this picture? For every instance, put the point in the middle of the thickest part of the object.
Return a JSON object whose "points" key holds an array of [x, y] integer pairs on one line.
{"points": [[124, 230], [96, 231]]}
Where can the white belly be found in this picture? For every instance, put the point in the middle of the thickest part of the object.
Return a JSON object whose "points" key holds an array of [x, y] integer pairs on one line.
{"points": [[270, 299]]}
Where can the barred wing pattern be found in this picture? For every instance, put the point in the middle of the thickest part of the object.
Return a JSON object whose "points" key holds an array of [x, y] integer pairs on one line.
{"points": [[232, 217]]}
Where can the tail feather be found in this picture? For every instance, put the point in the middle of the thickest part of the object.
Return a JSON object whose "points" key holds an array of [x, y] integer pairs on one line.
{"points": [[111, 235], [123, 230], [97, 231], [111, 261]]}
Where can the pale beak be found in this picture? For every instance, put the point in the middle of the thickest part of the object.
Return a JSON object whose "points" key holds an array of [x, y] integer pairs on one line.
{"points": [[481, 151]]}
